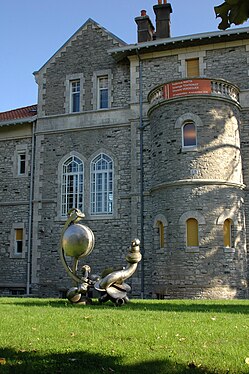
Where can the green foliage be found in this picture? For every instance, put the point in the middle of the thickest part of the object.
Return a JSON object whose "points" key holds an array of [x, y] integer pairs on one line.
{"points": [[232, 12], [177, 337]]}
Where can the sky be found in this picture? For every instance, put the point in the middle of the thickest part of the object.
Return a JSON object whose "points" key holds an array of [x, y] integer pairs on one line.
{"points": [[31, 31]]}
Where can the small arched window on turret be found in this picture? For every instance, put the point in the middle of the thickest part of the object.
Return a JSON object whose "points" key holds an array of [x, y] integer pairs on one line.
{"points": [[192, 232], [161, 233], [189, 135], [227, 233]]}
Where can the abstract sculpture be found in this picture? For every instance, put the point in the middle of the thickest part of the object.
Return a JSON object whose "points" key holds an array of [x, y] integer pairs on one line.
{"points": [[77, 241]]}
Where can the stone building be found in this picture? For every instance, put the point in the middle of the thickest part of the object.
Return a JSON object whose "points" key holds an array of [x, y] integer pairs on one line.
{"points": [[149, 140]]}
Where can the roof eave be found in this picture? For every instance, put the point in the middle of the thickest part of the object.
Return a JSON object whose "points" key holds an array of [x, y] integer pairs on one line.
{"points": [[181, 41], [18, 121]]}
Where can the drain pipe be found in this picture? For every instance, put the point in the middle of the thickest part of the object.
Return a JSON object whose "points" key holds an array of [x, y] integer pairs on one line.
{"points": [[32, 161], [141, 128]]}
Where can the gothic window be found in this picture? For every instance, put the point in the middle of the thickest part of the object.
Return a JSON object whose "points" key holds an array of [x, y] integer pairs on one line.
{"points": [[192, 232], [189, 135], [72, 184], [102, 185]]}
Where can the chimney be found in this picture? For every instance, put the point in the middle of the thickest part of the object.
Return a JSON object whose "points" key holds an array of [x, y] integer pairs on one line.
{"points": [[162, 12], [145, 29]]}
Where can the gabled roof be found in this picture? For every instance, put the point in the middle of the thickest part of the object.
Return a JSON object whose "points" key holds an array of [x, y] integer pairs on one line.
{"points": [[116, 40], [19, 115]]}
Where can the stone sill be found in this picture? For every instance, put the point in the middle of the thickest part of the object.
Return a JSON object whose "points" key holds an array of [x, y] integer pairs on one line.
{"points": [[189, 149], [192, 249], [229, 250]]}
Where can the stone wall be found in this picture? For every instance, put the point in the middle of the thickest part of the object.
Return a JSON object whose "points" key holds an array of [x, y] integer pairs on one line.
{"points": [[85, 55], [14, 207]]}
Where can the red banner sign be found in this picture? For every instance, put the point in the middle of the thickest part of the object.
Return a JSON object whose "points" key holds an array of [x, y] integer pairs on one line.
{"points": [[187, 87]]}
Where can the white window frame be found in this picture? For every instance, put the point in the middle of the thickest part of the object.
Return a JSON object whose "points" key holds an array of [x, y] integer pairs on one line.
{"points": [[72, 180], [74, 93], [21, 150], [105, 177], [100, 90], [20, 161], [70, 79], [97, 76]]}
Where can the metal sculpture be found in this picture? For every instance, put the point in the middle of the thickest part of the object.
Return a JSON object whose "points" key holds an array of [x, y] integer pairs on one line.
{"points": [[77, 241]]}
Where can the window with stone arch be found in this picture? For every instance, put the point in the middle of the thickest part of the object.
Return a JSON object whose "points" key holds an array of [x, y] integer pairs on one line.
{"points": [[189, 124], [227, 233], [191, 224], [192, 232], [72, 184], [228, 222], [102, 177], [189, 134]]}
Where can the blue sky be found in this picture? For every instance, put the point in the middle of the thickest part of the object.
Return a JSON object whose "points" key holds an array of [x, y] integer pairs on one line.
{"points": [[31, 31]]}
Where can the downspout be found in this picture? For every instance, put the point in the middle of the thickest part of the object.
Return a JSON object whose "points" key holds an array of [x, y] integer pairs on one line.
{"points": [[32, 161], [141, 128]]}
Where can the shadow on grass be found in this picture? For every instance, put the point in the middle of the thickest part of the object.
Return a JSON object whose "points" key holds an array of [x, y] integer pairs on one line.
{"points": [[14, 362], [192, 306], [205, 306]]}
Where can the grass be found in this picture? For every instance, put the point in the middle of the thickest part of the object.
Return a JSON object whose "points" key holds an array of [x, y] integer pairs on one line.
{"points": [[181, 336]]}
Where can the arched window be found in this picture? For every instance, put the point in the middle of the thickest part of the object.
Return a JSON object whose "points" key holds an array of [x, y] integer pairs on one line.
{"points": [[102, 185], [161, 234], [189, 135], [192, 232], [72, 184], [160, 230], [227, 232]]}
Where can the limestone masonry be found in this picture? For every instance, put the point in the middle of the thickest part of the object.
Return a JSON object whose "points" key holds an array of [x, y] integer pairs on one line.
{"points": [[150, 141]]}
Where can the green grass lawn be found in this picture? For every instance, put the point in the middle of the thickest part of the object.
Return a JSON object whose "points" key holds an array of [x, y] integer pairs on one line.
{"points": [[181, 336]]}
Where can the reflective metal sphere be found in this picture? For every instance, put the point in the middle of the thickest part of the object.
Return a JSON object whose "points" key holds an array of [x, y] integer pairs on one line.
{"points": [[78, 241]]}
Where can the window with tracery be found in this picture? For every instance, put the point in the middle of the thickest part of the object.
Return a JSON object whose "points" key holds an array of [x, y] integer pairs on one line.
{"points": [[102, 185], [72, 184]]}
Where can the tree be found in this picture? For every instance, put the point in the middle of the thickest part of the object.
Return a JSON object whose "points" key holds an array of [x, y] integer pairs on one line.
{"points": [[232, 11]]}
